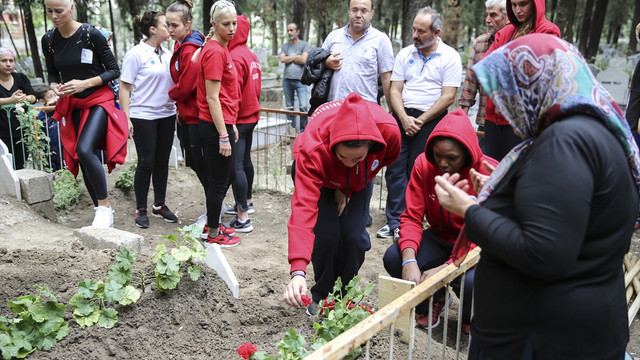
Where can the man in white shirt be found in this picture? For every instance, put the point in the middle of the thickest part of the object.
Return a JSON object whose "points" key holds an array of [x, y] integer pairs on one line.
{"points": [[424, 82]]}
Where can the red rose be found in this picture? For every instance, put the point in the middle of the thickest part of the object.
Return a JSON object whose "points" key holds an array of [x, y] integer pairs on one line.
{"points": [[246, 350], [306, 301]]}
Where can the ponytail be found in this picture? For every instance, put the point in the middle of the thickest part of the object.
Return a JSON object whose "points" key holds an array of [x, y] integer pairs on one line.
{"points": [[196, 54]]}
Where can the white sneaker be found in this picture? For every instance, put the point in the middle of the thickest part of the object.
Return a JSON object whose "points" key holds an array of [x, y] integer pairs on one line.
{"points": [[202, 220], [103, 217]]}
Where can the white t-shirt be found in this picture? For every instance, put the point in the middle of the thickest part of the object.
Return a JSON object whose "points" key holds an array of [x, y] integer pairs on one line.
{"points": [[423, 81], [148, 72]]}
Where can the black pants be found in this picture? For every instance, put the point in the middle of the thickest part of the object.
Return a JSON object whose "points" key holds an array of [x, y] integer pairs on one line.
{"points": [[194, 151], [341, 240], [242, 174], [433, 252], [499, 139], [153, 139], [92, 135], [398, 173], [218, 170]]}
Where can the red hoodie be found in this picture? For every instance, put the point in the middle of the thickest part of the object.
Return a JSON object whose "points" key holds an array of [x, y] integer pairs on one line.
{"points": [[248, 72], [184, 73], [506, 34], [420, 194], [318, 167]]}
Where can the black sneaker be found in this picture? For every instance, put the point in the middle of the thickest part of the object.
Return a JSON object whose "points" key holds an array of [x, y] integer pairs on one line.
{"points": [[242, 227], [142, 220], [312, 309], [234, 209], [164, 212], [385, 232]]}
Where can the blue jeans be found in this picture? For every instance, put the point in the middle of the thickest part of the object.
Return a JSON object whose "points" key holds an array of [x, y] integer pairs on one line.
{"points": [[289, 86]]}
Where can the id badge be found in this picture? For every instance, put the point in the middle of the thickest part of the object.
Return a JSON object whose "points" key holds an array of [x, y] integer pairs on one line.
{"points": [[86, 57]]}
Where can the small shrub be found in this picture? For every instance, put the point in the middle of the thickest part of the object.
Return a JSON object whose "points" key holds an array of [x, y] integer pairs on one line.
{"points": [[125, 180], [66, 190]]}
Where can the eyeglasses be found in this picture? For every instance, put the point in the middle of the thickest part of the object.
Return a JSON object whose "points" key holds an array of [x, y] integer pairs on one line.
{"points": [[152, 13], [355, 11]]}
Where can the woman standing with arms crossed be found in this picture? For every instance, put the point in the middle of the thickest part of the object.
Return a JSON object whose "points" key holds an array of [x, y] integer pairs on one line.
{"points": [[80, 64], [15, 88], [218, 98], [184, 73], [144, 87]]}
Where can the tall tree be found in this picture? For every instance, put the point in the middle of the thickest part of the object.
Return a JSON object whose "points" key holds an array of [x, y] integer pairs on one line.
{"points": [[451, 16], [31, 34], [584, 28], [565, 18], [299, 7], [409, 10], [597, 23]]}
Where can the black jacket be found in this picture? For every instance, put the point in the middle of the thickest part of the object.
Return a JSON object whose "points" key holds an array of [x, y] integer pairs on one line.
{"points": [[315, 72]]}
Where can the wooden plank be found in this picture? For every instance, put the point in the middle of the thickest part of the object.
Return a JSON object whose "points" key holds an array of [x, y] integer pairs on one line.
{"points": [[389, 289]]}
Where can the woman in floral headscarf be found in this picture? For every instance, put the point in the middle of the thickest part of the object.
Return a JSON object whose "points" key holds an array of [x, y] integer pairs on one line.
{"points": [[557, 214]]}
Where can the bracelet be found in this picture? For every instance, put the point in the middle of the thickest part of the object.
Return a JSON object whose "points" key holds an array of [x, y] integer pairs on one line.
{"points": [[409, 261], [298, 274], [225, 136], [224, 140]]}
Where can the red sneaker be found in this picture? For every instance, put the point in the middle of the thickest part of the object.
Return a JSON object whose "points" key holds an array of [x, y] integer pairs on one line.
{"points": [[221, 230], [223, 240], [466, 328], [423, 320]]}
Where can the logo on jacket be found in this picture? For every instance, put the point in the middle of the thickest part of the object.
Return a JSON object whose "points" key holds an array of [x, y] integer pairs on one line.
{"points": [[335, 183], [375, 164]]}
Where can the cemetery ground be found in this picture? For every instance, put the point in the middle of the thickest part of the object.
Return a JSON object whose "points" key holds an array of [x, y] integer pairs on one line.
{"points": [[198, 320]]}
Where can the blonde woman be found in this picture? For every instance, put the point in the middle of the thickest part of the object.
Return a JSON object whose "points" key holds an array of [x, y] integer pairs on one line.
{"points": [[218, 99], [80, 64]]}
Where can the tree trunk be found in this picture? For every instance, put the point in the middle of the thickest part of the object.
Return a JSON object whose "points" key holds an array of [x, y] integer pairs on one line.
{"points": [[395, 18], [206, 17], [597, 23], [584, 28], [554, 6], [616, 34], [273, 24], [135, 10], [299, 8], [564, 19], [33, 41], [633, 42], [113, 28], [409, 10], [81, 11], [451, 17]]}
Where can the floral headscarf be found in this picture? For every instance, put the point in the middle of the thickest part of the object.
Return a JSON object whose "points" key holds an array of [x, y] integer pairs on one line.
{"points": [[538, 79]]}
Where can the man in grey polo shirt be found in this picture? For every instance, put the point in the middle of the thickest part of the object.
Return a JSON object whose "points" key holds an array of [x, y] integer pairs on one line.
{"points": [[359, 54], [294, 55]]}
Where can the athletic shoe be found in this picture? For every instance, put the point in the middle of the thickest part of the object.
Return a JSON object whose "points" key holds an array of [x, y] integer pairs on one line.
{"points": [[223, 240], [243, 227], [423, 320], [233, 210], [164, 212], [202, 220], [396, 235], [384, 232], [222, 229], [103, 217], [142, 220], [312, 309]]}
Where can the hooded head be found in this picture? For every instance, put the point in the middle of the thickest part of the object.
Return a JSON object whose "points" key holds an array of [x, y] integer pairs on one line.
{"points": [[355, 123], [453, 144], [242, 33], [536, 10]]}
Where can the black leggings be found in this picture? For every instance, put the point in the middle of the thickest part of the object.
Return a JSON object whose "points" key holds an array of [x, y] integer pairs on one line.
{"points": [[153, 139], [93, 134], [218, 170], [194, 151], [242, 174]]}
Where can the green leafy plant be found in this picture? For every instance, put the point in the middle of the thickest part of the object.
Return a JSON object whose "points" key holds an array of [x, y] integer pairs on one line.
{"points": [[125, 180], [94, 300], [34, 135], [340, 311], [66, 189], [39, 324], [170, 265]]}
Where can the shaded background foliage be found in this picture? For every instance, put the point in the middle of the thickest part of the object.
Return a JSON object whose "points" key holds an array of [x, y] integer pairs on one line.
{"points": [[587, 23]]}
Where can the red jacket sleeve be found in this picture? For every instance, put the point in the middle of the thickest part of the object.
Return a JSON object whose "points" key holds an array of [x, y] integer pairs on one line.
{"points": [[183, 89], [411, 219]]}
